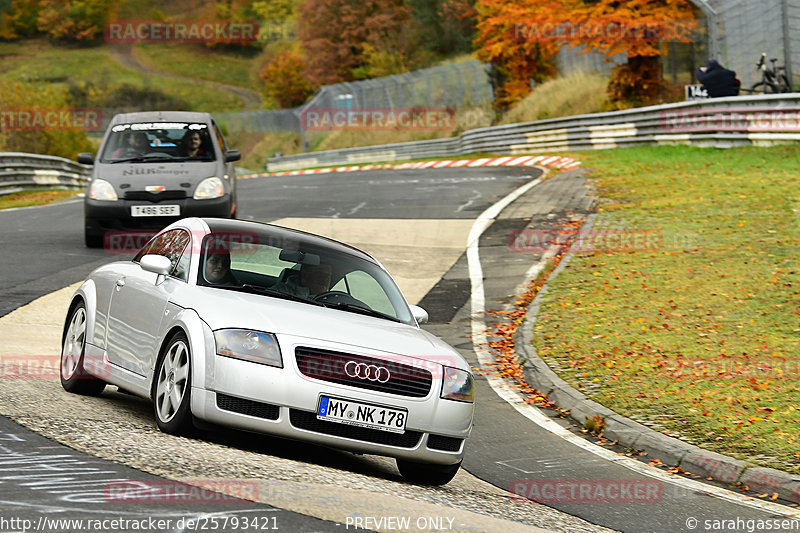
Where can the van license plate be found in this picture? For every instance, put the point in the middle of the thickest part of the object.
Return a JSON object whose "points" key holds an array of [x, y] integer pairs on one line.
{"points": [[155, 210]]}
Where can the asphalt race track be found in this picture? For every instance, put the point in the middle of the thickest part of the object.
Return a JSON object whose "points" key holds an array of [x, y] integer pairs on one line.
{"points": [[43, 251]]}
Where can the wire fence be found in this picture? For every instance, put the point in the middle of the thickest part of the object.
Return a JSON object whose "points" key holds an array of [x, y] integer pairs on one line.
{"points": [[458, 85]]}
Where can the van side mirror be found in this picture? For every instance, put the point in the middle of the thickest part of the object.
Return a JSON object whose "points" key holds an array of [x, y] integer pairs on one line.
{"points": [[86, 158], [232, 155]]}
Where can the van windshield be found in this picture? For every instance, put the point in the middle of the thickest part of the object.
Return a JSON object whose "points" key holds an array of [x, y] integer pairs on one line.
{"points": [[158, 141]]}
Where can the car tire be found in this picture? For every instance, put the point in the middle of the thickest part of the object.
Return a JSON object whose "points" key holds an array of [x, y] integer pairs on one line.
{"points": [[93, 238], [427, 473], [172, 386], [74, 378]]}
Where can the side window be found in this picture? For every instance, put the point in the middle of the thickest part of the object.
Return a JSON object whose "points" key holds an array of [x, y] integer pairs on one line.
{"points": [[171, 245], [181, 270], [220, 139], [144, 251]]}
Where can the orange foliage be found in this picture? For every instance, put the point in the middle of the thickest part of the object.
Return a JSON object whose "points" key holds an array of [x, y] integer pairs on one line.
{"points": [[284, 79], [533, 30], [516, 59]]}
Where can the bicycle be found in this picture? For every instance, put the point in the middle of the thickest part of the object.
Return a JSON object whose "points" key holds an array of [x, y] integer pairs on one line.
{"points": [[773, 80]]}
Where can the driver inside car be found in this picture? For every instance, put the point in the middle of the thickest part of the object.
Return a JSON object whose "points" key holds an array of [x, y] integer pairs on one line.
{"points": [[137, 145], [311, 281]]}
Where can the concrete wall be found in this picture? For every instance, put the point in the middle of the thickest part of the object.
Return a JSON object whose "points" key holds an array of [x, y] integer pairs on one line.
{"points": [[794, 37], [747, 28]]}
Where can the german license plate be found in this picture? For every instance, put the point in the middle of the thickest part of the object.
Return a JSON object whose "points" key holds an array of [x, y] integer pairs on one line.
{"points": [[362, 414], [155, 210]]}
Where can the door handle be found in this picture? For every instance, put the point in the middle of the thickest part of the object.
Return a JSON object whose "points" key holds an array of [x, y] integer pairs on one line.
{"points": [[120, 282]]}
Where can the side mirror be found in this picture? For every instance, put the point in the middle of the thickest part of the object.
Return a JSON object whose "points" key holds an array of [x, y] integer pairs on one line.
{"points": [[232, 155], [86, 158], [157, 264], [420, 315]]}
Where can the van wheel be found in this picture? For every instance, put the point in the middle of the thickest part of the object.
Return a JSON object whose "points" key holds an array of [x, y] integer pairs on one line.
{"points": [[93, 238]]}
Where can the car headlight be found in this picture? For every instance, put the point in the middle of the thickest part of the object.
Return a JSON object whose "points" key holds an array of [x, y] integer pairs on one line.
{"points": [[209, 188], [102, 190], [253, 346], [458, 385]]}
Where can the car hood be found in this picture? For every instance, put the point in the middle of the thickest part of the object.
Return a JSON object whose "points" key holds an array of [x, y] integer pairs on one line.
{"points": [[137, 176], [221, 308]]}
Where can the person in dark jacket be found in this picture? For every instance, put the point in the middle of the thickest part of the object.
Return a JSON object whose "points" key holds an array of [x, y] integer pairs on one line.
{"points": [[717, 80]]}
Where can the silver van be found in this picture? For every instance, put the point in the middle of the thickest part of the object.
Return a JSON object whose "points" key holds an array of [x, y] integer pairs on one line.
{"points": [[154, 168]]}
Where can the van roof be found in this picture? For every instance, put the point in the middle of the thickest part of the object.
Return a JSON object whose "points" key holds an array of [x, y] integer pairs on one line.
{"points": [[161, 116]]}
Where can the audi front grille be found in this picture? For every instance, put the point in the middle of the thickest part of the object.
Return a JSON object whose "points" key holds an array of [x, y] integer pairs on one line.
{"points": [[363, 372]]}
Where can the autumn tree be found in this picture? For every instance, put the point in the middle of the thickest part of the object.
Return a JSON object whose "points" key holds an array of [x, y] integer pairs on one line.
{"points": [[63, 142], [18, 19], [74, 20], [284, 80], [445, 26], [278, 20], [515, 59], [336, 35], [638, 28]]}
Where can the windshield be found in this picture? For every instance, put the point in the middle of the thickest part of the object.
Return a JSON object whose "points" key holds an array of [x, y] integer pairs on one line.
{"points": [[158, 141], [308, 272]]}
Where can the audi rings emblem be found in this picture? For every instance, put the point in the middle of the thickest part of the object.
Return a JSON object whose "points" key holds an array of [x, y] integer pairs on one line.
{"points": [[369, 372]]}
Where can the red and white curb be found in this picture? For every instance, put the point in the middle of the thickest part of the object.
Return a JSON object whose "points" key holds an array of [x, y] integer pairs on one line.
{"points": [[562, 163]]}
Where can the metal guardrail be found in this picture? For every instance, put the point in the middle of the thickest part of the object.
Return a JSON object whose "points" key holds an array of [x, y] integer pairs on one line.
{"points": [[31, 170], [720, 122]]}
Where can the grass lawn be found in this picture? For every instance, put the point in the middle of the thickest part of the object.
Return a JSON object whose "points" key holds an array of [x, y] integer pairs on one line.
{"points": [[34, 197], [199, 61], [693, 329], [39, 61]]}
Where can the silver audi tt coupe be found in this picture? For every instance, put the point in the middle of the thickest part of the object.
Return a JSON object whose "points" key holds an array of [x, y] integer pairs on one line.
{"points": [[274, 331]]}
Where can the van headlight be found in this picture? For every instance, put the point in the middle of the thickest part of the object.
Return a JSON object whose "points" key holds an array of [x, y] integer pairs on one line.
{"points": [[209, 188], [102, 190], [458, 385], [248, 345]]}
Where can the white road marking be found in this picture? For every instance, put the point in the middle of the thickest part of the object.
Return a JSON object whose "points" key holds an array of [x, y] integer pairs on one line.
{"points": [[356, 208], [502, 388], [476, 196]]}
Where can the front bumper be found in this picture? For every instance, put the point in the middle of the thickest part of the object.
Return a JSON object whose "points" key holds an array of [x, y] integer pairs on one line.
{"points": [[283, 402], [107, 216]]}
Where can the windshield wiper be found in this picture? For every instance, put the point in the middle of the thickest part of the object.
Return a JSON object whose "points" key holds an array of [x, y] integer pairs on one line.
{"points": [[143, 158], [192, 159], [361, 310]]}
